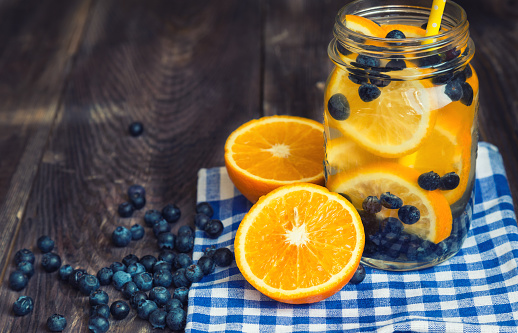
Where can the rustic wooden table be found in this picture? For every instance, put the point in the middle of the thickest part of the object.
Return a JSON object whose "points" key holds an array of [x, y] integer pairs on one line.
{"points": [[75, 73]]}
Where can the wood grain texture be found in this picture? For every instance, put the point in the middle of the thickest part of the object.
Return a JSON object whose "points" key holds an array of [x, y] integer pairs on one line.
{"points": [[190, 74]]}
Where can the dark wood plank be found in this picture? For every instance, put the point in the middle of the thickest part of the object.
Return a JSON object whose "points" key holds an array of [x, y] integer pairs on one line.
{"points": [[190, 73], [37, 42]]}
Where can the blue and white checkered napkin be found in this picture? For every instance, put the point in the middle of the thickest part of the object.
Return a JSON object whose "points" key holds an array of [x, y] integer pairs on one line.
{"points": [[475, 291]]}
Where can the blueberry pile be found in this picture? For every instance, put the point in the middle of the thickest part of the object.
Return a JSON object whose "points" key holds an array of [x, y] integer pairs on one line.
{"points": [[155, 287]]}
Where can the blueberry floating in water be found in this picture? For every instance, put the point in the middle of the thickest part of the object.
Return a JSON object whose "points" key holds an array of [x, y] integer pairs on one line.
{"points": [[391, 227], [342, 49], [409, 214], [364, 61], [468, 72], [338, 107], [467, 94], [443, 78], [358, 79], [396, 64], [368, 92], [396, 34], [429, 60], [371, 204], [429, 181], [453, 90], [451, 54], [449, 181], [391, 201]]}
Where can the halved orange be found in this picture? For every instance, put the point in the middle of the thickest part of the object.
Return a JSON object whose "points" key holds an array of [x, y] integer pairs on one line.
{"points": [[393, 125], [435, 223], [364, 26], [270, 152], [410, 31], [300, 243]]}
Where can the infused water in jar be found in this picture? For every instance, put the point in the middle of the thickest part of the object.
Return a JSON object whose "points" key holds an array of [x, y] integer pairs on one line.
{"points": [[401, 130]]}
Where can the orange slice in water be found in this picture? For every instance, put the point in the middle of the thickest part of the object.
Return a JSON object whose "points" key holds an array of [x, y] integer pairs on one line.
{"points": [[270, 152], [300, 243], [364, 26]]}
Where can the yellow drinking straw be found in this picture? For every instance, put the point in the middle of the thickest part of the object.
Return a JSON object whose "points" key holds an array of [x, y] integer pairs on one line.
{"points": [[434, 21]]}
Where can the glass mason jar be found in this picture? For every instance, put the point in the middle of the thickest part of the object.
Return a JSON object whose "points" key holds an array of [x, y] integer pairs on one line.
{"points": [[401, 130]]}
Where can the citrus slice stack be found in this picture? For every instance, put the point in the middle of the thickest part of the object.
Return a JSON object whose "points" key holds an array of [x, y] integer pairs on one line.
{"points": [[394, 124], [270, 152], [299, 244], [435, 223]]}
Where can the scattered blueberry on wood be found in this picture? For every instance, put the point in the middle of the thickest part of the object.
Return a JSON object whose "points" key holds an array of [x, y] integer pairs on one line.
{"points": [[98, 324], [56, 323], [125, 209], [136, 129], [23, 306], [157, 319], [119, 310], [50, 262], [45, 244], [144, 281], [18, 280]]}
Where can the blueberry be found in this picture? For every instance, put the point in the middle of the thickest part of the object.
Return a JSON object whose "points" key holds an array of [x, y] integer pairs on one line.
{"points": [[98, 324], [358, 79], [429, 181], [145, 307], [163, 278], [214, 228], [88, 284], [56, 323], [173, 303], [442, 78], [449, 181], [342, 49], [184, 244], [338, 107], [160, 295], [201, 220], [194, 273], [429, 60], [223, 257], [379, 82], [371, 205], [120, 278], [119, 310], [117, 266], [50, 262], [101, 310], [64, 272], [128, 289], [468, 72], [26, 268], [359, 275], [206, 265], [98, 297], [364, 61], [182, 260], [451, 54], [185, 230], [157, 319], [137, 201], [181, 294], [121, 236], [467, 94], [45, 244], [136, 128], [162, 265], [125, 209], [453, 90], [166, 240], [18, 280], [137, 232], [171, 213], [176, 319], [73, 279], [368, 92], [129, 259], [135, 269], [209, 251], [205, 208], [24, 255], [160, 227], [144, 281], [396, 64], [409, 214], [391, 227], [179, 278], [395, 34], [105, 275], [136, 190], [167, 255], [23, 306], [137, 297], [151, 217], [391, 201], [148, 261]]}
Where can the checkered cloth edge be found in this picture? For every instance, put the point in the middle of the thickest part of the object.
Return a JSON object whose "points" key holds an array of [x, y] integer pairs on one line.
{"points": [[475, 291]]}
